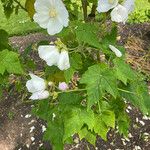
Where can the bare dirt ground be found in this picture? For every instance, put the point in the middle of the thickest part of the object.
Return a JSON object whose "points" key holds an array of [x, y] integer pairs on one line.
{"points": [[19, 130]]}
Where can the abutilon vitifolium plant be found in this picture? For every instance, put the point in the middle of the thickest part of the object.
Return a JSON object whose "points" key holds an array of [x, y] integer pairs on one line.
{"points": [[85, 82]]}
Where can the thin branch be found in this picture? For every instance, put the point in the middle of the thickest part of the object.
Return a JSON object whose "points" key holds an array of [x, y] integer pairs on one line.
{"points": [[20, 5]]}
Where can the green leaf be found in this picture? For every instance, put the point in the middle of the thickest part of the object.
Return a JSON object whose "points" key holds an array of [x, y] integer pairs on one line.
{"points": [[42, 110], [139, 96], [123, 124], [4, 40], [75, 118], [110, 38], [76, 64], [100, 127], [88, 135], [70, 99], [123, 71], [99, 79], [87, 33], [8, 6], [54, 134], [9, 62], [108, 118]]}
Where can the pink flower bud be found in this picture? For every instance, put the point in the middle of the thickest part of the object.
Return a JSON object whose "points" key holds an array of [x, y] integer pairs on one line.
{"points": [[63, 86]]}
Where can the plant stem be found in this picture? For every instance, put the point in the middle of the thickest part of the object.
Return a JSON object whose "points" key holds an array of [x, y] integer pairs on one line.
{"points": [[19, 4], [84, 5], [93, 11], [76, 90], [125, 91]]}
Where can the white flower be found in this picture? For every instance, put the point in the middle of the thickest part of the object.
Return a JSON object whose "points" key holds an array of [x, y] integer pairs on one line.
{"points": [[49, 53], [39, 95], [63, 86], [52, 56], [51, 15], [106, 5], [120, 12], [129, 5], [115, 50], [36, 84], [37, 87], [63, 62]]}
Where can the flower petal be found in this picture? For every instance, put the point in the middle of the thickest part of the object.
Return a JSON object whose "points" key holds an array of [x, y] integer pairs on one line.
{"points": [[41, 19], [63, 63], [49, 53], [115, 50], [40, 95], [119, 14], [35, 84], [106, 5], [54, 26]]}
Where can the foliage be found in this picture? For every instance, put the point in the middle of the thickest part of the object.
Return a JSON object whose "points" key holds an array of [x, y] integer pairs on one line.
{"points": [[94, 102]]}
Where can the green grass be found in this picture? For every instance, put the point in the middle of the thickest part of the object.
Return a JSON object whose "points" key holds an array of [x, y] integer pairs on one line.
{"points": [[17, 24]]}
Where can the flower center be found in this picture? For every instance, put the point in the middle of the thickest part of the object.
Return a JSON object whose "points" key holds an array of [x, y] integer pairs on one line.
{"points": [[111, 1], [52, 13]]}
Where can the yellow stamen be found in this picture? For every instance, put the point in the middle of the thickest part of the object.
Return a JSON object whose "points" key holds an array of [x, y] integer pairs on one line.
{"points": [[111, 1], [52, 13]]}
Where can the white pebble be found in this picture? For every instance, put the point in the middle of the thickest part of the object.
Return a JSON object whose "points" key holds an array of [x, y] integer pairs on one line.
{"points": [[32, 139], [142, 123], [27, 145], [43, 128], [27, 116], [127, 139], [137, 119], [31, 129], [124, 143], [146, 134], [127, 111], [137, 148], [32, 121], [129, 107], [130, 135], [146, 117], [41, 144]]}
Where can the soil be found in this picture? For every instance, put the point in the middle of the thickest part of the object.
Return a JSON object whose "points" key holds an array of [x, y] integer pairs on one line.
{"points": [[19, 130]]}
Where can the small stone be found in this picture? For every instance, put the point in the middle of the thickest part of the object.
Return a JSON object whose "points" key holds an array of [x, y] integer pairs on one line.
{"points": [[137, 148], [76, 140], [32, 139], [146, 117], [137, 119], [27, 116], [41, 144], [32, 121], [31, 129], [129, 107], [142, 123], [43, 128], [124, 143], [130, 135], [127, 111], [27, 145]]}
